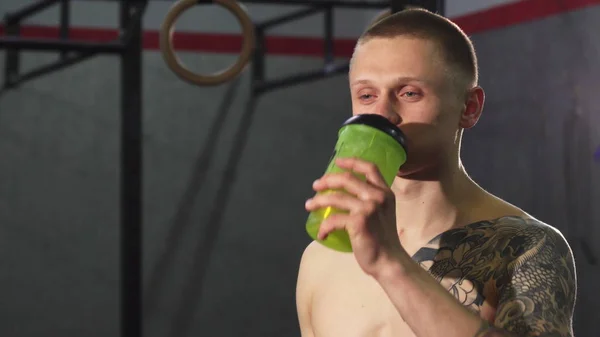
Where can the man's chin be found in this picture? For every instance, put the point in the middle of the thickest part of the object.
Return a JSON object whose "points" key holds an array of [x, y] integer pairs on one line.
{"points": [[424, 172]]}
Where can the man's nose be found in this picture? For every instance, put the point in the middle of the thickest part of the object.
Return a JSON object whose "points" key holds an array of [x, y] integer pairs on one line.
{"points": [[386, 108]]}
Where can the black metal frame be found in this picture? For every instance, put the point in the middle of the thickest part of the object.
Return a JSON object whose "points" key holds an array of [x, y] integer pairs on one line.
{"points": [[260, 85], [129, 47]]}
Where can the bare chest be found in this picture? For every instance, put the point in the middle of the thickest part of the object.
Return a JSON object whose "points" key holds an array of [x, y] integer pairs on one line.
{"points": [[354, 307], [352, 304]]}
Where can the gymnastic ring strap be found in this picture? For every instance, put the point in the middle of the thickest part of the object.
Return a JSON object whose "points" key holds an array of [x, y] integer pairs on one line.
{"points": [[166, 43]]}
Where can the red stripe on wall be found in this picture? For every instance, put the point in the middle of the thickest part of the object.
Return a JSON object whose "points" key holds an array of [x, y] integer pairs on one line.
{"points": [[518, 12], [493, 18]]}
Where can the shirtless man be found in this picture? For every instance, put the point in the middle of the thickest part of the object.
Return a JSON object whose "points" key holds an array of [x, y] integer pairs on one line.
{"points": [[434, 255]]}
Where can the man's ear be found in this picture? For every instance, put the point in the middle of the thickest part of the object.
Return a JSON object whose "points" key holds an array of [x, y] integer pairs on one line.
{"points": [[473, 108]]}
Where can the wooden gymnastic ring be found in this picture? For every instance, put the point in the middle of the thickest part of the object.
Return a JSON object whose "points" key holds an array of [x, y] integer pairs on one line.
{"points": [[168, 53]]}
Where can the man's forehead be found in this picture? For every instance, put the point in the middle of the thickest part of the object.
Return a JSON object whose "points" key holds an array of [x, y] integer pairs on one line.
{"points": [[390, 51], [399, 43], [415, 61], [403, 71]]}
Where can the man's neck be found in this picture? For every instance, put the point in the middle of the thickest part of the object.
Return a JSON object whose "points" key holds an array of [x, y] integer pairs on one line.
{"points": [[425, 208]]}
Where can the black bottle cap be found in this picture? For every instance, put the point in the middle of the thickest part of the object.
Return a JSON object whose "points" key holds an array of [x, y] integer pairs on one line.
{"points": [[381, 123]]}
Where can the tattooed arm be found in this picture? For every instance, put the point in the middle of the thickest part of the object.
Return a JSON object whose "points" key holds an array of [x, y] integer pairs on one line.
{"points": [[536, 289], [539, 298]]}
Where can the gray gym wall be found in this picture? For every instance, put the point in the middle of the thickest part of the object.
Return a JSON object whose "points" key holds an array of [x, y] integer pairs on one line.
{"points": [[59, 169]]}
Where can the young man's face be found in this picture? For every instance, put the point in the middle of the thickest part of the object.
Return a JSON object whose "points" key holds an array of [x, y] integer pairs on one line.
{"points": [[406, 80]]}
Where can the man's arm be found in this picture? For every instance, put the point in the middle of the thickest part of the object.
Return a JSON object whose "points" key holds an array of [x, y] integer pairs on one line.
{"points": [[304, 293], [538, 299]]}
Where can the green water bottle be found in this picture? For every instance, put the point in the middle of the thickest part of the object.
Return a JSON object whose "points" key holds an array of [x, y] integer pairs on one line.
{"points": [[372, 138]]}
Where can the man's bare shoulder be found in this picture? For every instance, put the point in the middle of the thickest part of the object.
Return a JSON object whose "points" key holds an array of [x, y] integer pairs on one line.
{"points": [[320, 263], [316, 258], [314, 249], [313, 263]]}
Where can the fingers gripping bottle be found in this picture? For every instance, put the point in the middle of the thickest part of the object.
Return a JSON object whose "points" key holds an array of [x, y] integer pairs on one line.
{"points": [[369, 137]]}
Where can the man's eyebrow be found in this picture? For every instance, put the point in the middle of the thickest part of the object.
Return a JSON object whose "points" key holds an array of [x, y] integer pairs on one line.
{"points": [[398, 80], [411, 79], [357, 82]]}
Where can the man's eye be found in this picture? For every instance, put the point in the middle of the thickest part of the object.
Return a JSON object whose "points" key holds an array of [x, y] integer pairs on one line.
{"points": [[411, 94], [366, 96]]}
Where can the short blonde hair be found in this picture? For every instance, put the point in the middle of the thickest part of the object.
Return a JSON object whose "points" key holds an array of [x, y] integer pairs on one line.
{"points": [[456, 47]]}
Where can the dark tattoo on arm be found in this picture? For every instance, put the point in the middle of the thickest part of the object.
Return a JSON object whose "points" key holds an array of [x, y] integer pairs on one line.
{"points": [[486, 330], [483, 329], [529, 264], [540, 297]]}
